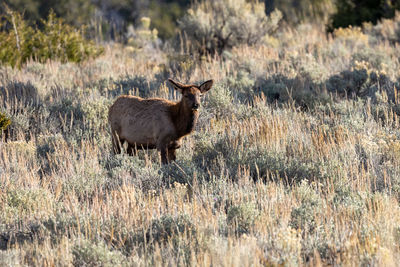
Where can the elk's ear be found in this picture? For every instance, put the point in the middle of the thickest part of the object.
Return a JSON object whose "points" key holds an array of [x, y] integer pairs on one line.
{"points": [[204, 87], [177, 85]]}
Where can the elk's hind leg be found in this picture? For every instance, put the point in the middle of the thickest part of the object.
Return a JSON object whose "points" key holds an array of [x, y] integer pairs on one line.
{"points": [[163, 144]]}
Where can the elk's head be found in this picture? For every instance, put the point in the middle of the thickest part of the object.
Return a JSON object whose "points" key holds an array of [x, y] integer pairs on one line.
{"points": [[192, 93]]}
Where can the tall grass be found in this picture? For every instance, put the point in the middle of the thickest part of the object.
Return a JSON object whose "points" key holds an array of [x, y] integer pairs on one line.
{"points": [[295, 160]]}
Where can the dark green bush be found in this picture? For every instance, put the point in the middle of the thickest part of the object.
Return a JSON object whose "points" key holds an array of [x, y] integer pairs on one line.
{"points": [[348, 82], [19, 42], [355, 12], [74, 12], [4, 122]]}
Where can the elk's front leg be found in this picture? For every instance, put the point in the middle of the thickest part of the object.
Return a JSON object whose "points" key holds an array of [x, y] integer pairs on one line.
{"points": [[164, 155], [163, 145]]}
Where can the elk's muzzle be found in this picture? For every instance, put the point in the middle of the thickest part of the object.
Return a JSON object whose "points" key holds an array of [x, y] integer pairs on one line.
{"points": [[195, 106]]}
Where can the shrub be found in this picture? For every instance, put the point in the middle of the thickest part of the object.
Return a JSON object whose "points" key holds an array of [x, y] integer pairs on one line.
{"points": [[214, 26], [23, 202], [123, 169], [10, 258], [348, 82], [142, 37], [351, 36], [19, 42], [363, 81], [167, 227], [241, 218], [297, 11], [301, 90], [220, 102], [95, 113], [4, 122], [303, 216], [242, 85], [374, 58], [16, 95], [89, 254], [134, 85], [385, 30]]}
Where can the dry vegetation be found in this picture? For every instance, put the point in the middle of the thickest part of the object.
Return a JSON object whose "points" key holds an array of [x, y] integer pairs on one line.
{"points": [[295, 161]]}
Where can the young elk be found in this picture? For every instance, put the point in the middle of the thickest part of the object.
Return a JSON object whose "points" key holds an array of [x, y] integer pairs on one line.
{"points": [[155, 122]]}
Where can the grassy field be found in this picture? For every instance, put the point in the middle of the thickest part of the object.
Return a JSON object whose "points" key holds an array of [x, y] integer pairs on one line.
{"points": [[295, 159]]}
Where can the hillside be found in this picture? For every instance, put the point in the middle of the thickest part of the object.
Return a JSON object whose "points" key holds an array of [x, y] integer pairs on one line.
{"points": [[295, 159]]}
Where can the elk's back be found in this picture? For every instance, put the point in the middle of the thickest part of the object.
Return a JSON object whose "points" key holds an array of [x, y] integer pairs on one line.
{"points": [[139, 120]]}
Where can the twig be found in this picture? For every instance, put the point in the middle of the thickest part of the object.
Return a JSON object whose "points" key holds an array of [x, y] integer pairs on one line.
{"points": [[16, 32]]}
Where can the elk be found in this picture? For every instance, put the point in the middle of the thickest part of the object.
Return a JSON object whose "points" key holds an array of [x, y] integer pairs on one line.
{"points": [[156, 123]]}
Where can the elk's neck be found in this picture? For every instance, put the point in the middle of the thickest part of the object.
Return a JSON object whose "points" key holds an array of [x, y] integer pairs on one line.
{"points": [[185, 119]]}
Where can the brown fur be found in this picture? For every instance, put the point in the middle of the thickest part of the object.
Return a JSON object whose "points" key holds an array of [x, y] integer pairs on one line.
{"points": [[155, 122]]}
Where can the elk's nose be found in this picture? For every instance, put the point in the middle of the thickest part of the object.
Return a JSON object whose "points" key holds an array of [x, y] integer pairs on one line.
{"points": [[196, 106]]}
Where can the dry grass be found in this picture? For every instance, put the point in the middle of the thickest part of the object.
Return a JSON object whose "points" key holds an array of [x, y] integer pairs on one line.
{"points": [[284, 169]]}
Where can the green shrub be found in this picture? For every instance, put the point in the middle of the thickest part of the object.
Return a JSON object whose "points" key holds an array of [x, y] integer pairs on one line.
{"points": [[214, 26], [19, 42], [4, 122], [23, 202], [95, 113], [363, 82], [137, 85], [220, 102], [372, 57], [302, 83], [126, 170], [16, 95], [143, 36], [348, 82], [87, 253], [178, 230], [167, 227], [242, 86], [241, 218], [303, 216]]}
